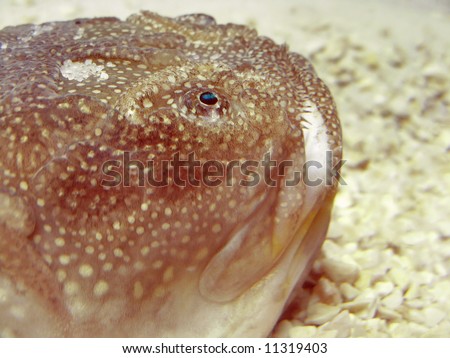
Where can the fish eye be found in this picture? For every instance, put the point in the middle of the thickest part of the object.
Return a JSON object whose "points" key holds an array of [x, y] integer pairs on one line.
{"points": [[208, 98], [206, 103]]}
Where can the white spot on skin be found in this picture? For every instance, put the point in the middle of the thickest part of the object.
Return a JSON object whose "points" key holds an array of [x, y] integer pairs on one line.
{"points": [[118, 252], [147, 103], [138, 290], [101, 288], [64, 259], [216, 228], [165, 226], [107, 267], [89, 250], [79, 34], [59, 241], [71, 288], [61, 275], [23, 185], [168, 274], [85, 270], [80, 71], [37, 30]]}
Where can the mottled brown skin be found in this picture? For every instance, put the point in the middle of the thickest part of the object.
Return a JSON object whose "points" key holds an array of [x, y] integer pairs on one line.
{"points": [[78, 258]]}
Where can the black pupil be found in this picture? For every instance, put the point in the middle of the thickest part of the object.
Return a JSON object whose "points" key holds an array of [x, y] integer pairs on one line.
{"points": [[208, 98]]}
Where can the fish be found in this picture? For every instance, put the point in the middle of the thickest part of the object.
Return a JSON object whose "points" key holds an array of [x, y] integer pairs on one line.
{"points": [[159, 177]]}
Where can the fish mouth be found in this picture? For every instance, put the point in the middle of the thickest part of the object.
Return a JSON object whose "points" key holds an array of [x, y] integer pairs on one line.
{"points": [[263, 296], [308, 240]]}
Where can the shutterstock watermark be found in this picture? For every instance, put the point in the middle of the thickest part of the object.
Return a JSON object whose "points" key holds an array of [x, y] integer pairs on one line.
{"points": [[193, 172]]}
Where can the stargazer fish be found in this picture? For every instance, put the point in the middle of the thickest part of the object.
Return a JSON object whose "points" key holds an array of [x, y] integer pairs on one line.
{"points": [[159, 177]]}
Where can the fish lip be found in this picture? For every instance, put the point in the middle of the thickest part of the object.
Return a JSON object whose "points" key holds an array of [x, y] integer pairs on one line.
{"points": [[299, 256]]}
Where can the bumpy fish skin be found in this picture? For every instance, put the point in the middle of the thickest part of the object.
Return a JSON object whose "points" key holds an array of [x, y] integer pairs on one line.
{"points": [[80, 256]]}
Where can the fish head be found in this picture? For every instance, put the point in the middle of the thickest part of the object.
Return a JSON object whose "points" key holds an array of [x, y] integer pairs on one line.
{"points": [[162, 177]]}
